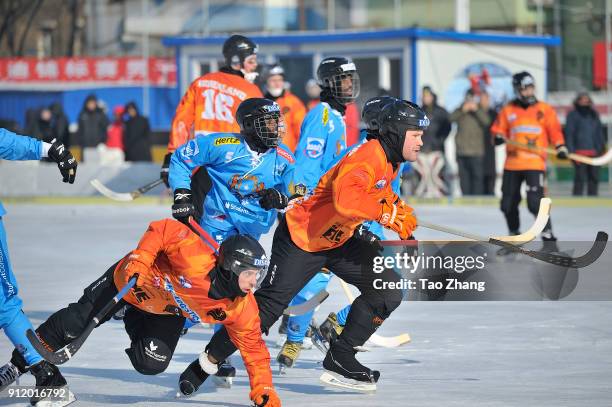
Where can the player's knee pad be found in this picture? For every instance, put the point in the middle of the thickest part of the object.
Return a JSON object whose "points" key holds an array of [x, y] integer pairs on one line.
{"points": [[149, 356]]}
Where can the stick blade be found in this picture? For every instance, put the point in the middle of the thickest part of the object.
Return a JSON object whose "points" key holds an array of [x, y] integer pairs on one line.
{"points": [[115, 196], [602, 160], [304, 307], [390, 342], [57, 358]]}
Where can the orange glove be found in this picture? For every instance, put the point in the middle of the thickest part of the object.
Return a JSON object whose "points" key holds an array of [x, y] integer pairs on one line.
{"points": [[398, 217], [264, 396]]}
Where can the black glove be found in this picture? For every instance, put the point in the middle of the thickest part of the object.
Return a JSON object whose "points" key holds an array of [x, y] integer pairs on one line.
{"points": [[165, 169], [499, 140], [192, 378], [65, 161], [363, 233], [272, 199], [183, 207], [562, 152]]}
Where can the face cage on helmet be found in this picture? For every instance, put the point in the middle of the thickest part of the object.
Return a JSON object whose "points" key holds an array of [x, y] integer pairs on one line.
{"points": [[336, 86], [237, 267], [269, 137]]}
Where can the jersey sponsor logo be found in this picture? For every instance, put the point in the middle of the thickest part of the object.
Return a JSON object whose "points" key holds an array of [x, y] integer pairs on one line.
{"points": [[380, 184], [190, 149], [334, 234], [184, 282], [232, 207], [150, 352], [526, 129], [222, 141], [314, 147], [140, 295], [246, 185], [285, 155], [193, 316], [325, 117], [218, 314]]}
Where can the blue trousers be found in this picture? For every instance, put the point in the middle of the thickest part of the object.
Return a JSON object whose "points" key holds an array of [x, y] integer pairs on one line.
{"points": [[298, 325], [12, 319]]}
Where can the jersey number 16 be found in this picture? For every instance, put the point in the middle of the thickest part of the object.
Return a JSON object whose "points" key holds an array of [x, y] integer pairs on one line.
{"points": [[217, 106]]}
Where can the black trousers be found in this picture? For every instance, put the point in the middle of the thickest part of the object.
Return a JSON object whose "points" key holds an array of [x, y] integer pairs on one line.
{"points": [[153, 337], [511, 195], [471, 175], [585, 173], [291, 268]]}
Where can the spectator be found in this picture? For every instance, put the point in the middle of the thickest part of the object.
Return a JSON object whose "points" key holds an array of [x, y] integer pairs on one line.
{"points": [[136, 138], [430, 163], [472, 121], [584, 136], [291, 106], [114, 139], [38, 124], [60, 124], [92, 127], [313, 90], [489, 170]]}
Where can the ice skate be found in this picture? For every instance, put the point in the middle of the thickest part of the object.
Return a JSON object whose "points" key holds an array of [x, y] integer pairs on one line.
{"points": [[344, 371], [191, 379], [224, 376], [8, 374], [288, 355], [48, 376]]}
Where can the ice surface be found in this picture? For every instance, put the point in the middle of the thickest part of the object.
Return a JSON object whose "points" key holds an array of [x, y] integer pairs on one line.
{"points": [[462, 353]]}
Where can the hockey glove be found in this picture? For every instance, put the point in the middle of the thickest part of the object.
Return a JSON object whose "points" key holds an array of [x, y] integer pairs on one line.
{"points": [[165, 170], [363, 233], [183, 207], [398, 217], [499, 140], [562, 152], [65, 161], [272, 199], [264, 396]]}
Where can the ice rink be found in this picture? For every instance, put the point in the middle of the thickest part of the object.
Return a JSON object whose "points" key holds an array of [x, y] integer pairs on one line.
{"points": [[461, 354]]}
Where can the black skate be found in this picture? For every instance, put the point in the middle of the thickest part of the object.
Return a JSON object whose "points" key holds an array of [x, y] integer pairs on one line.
{"points": [[8, 374], [49, 377], [191, 379], [223, 377], [344, 371], [549, 242]]}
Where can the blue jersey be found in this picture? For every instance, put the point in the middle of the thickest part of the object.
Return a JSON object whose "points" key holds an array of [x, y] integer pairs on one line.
{"points": [[16, 147], [322, 141], [237, 174]]}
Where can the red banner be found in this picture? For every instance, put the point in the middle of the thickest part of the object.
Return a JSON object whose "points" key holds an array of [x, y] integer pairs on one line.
{"points": [[114, 71], [600, 64]]}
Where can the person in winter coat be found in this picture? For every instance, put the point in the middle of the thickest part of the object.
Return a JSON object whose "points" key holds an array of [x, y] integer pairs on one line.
{"points": [[137, 136], [584, 135], [92, 126]]}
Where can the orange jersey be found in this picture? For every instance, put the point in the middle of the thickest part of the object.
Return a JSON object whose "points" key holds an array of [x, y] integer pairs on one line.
{"points": [[293, 112], [348, 194], [537, 125], [209, 106], [173, 264]]}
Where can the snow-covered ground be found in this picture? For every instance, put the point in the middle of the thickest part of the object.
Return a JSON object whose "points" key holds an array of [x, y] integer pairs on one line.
{"points": [[461, 354]]}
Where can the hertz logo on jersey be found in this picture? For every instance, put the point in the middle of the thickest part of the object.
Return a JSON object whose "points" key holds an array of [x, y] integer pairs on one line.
{"points": [[226, 140]]}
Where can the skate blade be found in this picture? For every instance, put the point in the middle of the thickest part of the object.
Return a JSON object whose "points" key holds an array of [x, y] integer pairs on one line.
{"points": [[282, 370], [57, 403], [222, 382], [344, 383], [362, 348]]}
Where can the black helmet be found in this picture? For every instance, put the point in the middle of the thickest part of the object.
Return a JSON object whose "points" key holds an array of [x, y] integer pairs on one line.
{"points": [[237, 48], [394, 120], [371, 111], [240, 253], [330, 74], [521, 81], [254, 117], [275, 69]]}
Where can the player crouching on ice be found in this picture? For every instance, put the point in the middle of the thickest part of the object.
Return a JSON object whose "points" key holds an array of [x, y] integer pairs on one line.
{"points": [[178, 277]]}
